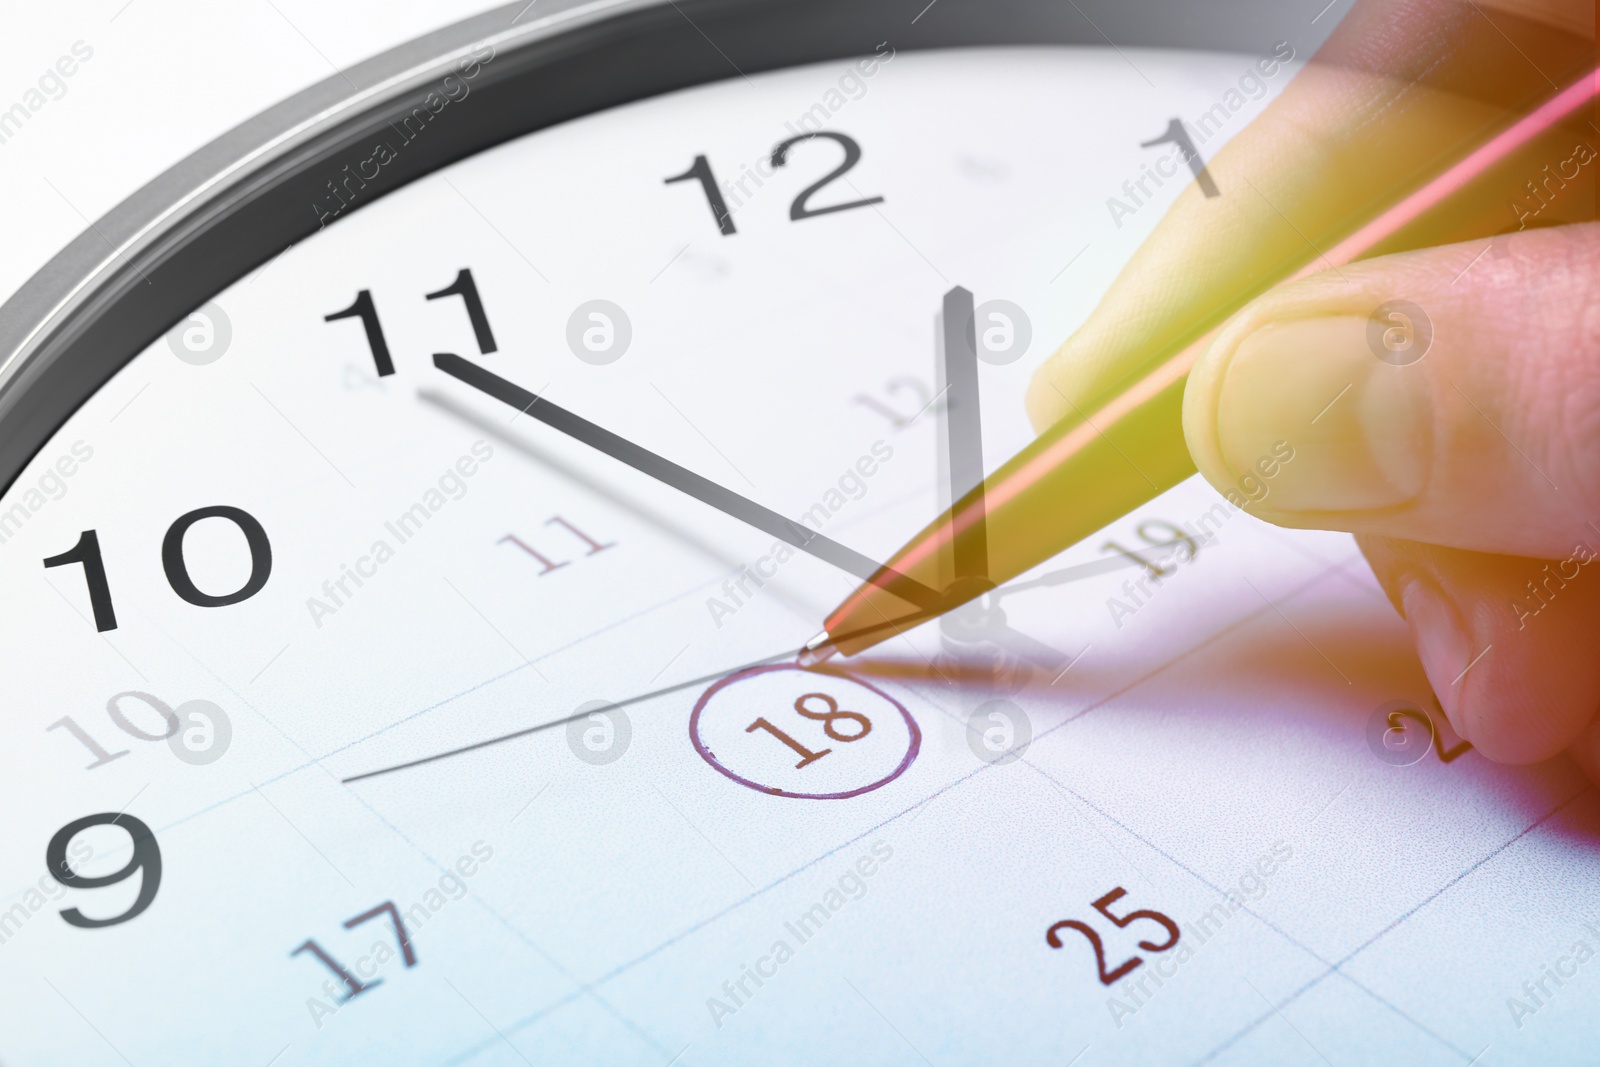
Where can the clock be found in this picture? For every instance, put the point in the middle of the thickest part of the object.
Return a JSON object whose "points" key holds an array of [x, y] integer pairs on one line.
{"points": [[415, 501]]}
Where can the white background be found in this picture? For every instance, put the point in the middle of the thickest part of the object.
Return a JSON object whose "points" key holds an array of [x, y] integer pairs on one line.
{"points": [[166, 77]]}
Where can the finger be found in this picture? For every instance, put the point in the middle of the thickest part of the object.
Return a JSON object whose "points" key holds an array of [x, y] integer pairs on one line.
{"points": [[1391, 98], [1489, 440], [1507, 644]]}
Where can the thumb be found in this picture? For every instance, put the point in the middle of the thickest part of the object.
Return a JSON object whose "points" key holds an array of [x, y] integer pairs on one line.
{"points": [[1459, 434], [1449, 396]]}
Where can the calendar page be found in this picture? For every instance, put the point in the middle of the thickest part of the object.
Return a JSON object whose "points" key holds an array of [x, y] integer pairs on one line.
{"points": [[385, 696]]}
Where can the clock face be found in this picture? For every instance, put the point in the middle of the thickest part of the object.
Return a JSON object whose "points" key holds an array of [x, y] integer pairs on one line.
{"points": [[377, 692]]}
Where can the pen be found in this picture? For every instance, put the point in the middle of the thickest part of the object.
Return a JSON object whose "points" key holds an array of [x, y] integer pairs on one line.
{"points": [[1098, 463]]}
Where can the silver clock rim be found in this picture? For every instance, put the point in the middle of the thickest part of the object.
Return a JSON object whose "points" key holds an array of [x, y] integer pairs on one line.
{"points": [[242, 199]]}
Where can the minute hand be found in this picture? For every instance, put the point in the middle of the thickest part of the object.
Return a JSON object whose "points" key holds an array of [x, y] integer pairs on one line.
{"points": [[686, 481]]}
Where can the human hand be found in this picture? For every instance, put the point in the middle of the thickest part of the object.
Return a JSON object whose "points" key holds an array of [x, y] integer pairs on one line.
{"points": [[1469, 469]]}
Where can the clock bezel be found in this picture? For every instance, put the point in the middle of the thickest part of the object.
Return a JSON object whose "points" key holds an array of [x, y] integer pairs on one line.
{"points": [[250, 194]]}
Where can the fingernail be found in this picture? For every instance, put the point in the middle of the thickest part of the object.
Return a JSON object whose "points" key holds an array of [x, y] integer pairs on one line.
{"points": [[1360, 428], [1443, 643]]}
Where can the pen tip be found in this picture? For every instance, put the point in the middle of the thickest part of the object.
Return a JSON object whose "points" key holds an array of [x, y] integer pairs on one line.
{"points": [[817, 650]]}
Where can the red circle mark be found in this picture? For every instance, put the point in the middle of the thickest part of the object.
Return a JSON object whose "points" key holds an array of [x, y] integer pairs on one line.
{"points": [[710, 757]]}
